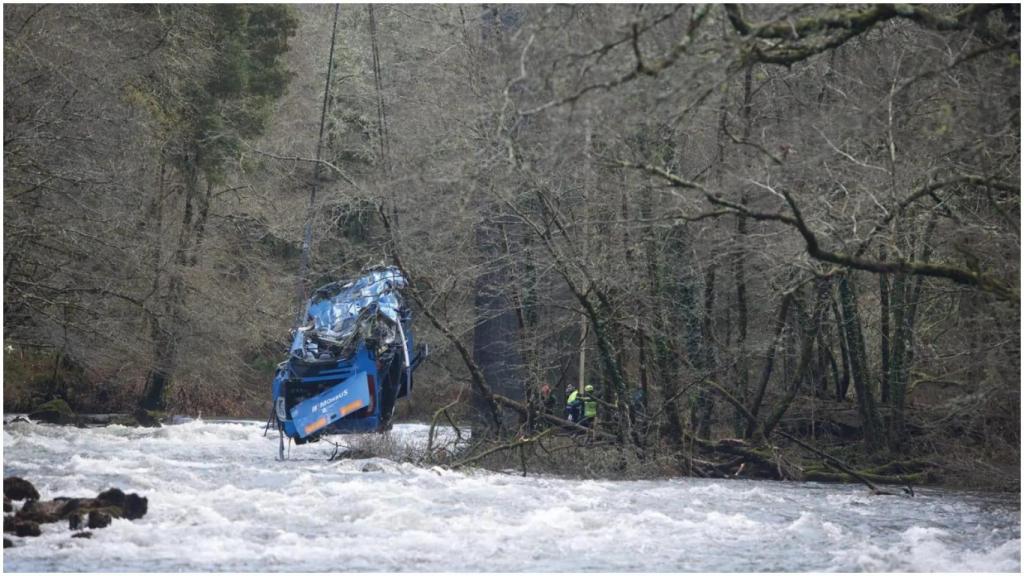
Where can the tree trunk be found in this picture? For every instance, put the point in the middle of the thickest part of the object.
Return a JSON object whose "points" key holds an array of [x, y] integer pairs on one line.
{"points": [[810, 334], [739, 270], [883, 298], [166, 337], [907, 296], [769, 362], [858, 362], [897, 367], [667, 367], [169, 330], [842, 384], [495, 339], [705, 398]]}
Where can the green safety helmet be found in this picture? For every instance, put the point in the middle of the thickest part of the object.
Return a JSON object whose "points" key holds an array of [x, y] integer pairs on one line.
{"points": [[588, 388]]}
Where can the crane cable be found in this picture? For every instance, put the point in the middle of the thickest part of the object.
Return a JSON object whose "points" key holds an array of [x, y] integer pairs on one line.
{"points": [[307, 239], [382, 118], [384, 142]]}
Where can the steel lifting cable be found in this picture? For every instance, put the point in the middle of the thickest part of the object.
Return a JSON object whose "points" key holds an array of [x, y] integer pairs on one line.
{"points": [[382, 119], [384, 143], [307, 239]]}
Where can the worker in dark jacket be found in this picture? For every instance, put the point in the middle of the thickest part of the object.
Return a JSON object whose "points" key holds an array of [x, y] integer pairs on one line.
{"points": [[547, 400]]}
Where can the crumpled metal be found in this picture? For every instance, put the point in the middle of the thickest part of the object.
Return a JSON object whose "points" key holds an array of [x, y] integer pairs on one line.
{"points": [[338, 310]]}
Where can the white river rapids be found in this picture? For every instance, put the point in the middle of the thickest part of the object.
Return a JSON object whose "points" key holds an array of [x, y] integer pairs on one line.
{"points": [[220, 501]]}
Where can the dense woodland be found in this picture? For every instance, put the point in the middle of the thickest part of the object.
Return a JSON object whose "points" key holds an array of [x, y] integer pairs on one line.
{"points": [[749, 227]]}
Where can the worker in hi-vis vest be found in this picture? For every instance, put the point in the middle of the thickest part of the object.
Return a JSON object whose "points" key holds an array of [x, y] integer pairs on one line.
{"points": [[589, 405], [573, 406]]}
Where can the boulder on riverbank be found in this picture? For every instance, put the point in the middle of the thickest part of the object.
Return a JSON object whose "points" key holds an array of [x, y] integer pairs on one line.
{"points": [[56, 411]]}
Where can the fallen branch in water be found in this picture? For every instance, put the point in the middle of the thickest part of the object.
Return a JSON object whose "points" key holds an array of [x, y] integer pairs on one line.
{"points": [[433, 426], [837, 463], [819, 475]]}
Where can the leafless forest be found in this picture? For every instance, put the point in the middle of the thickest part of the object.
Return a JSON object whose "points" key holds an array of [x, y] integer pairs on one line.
{"points": [[758, 231]]}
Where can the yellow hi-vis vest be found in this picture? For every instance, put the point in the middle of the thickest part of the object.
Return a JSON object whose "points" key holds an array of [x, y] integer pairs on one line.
{"points": [[589, 407]]}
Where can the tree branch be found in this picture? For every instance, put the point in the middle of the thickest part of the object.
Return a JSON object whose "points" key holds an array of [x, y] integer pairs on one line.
{"points": [[806, 37], [956, 274]]}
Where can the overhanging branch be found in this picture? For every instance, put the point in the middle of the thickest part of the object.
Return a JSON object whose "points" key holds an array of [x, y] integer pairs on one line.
{"points": [[957, 274]]}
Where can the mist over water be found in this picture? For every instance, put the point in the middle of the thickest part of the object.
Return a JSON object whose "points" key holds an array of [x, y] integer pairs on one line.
{"points": [[220, 501]]}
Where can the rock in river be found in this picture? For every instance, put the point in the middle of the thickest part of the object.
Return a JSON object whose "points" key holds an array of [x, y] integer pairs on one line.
{"points": [[372, 467], [135, 506], [99, 519], [80, 513], [17, 488], [26, 528], [43, 511]]}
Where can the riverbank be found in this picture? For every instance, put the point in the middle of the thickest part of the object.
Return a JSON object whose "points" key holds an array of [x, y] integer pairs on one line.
{"points": [[973, 448], [582, 456]]}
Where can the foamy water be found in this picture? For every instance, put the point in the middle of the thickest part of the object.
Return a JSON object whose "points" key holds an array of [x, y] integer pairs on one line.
{"points": [[220, 501]]}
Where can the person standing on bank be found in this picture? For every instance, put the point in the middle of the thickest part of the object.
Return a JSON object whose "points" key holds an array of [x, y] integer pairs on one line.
{"points": [[573, 406], [547, 400], [589, 406]]}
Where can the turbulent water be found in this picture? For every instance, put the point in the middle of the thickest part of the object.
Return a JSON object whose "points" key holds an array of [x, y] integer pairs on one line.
{"points": [[220, 501]]}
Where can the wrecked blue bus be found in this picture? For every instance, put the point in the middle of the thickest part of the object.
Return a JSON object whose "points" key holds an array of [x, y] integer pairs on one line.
{"points": [[351, 360]]}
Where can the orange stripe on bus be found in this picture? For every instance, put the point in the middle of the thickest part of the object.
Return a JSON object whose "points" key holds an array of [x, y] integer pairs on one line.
{"points": [[320, 423], [351, 407]]}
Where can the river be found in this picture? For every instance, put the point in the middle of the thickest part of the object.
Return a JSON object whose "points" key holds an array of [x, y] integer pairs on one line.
{"points": [[220, 501]]}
